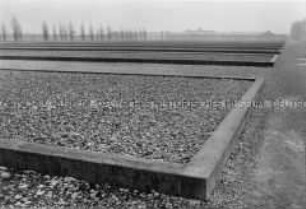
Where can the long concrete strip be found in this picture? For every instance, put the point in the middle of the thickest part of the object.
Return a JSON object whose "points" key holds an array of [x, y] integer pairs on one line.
{"points": [[131, 69], [180, 59], [142, 49]]}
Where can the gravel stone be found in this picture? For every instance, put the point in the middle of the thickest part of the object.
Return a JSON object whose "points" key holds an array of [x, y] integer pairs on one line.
{"points": [[82, 111], [5, 175]]}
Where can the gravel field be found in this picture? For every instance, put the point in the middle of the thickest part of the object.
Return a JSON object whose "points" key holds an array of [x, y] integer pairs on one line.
{"points": [[34, 190], [145, 55], [73, 110]]}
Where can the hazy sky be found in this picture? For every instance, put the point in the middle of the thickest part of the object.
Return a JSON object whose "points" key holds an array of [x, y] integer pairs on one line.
{"points": [[155, 15]]}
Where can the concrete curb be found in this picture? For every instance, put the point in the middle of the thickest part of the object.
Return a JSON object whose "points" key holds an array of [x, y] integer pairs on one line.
{"points": [[143, 60], [196, 180], [208, 162], [131, 72], [274, 58], [138, 49]]}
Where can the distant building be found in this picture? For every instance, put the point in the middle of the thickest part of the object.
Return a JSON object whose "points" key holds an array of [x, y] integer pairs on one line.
{"points": [[200, 31], [267, 34]]}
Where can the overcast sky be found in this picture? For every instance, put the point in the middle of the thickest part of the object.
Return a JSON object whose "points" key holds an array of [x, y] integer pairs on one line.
{"points": [[156, 15]]}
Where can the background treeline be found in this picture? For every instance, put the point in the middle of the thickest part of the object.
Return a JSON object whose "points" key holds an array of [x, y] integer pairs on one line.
{"points": [[298, 30], [89, 32], [70, 32], [16, 30]]}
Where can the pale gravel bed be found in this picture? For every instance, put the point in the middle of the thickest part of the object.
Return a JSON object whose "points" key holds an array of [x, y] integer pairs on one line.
{"points": [[72, 110]]}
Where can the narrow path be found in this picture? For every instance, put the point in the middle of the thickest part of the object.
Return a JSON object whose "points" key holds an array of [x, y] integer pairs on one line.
{"points": [[279, 179]]}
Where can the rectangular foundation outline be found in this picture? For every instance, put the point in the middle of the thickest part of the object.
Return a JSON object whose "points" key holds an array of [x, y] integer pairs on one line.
{"points": [[196, 179]]}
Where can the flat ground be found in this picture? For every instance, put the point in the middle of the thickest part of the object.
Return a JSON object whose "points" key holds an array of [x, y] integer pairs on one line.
{"points": [[266, 169], [278, 180]]}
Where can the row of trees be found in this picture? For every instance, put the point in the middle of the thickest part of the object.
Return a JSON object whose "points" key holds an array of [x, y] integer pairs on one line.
{"points": [[298, 30], [68, 32], [16, 30]]}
